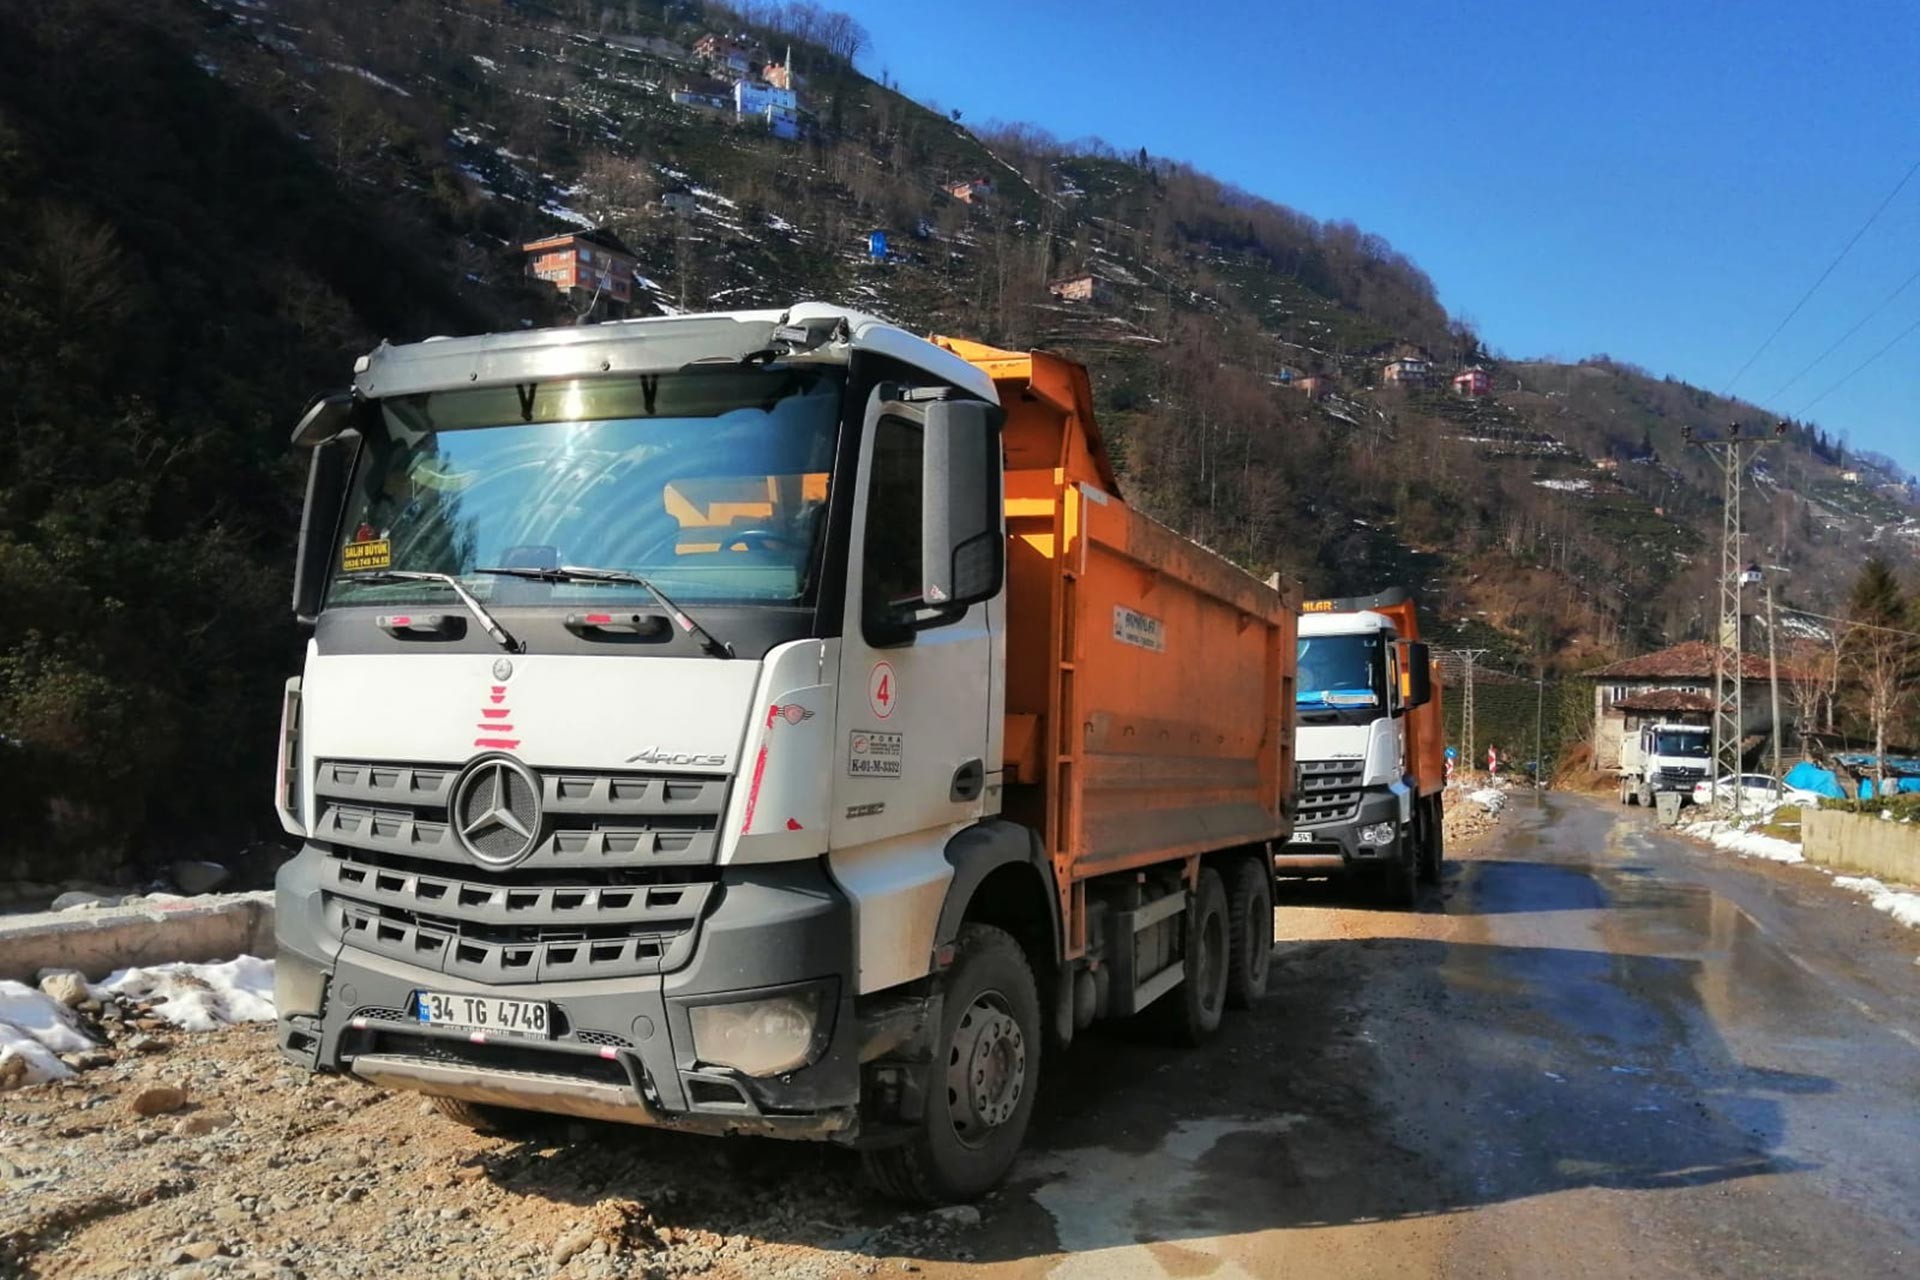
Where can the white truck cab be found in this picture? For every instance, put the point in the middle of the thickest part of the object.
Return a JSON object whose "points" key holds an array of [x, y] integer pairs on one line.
{"points": [[1663, 756]]}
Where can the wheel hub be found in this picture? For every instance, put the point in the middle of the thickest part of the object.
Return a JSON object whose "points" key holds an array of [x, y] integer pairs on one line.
{"points": [[986, 1068]]}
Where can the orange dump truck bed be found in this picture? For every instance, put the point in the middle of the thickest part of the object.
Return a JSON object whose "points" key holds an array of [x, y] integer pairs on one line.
{"points": [[1150, 683]]}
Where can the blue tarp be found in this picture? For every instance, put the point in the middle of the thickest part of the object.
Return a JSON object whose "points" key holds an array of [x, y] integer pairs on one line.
{"points": [[1899, 786], [1809, 776], [1864, 762]]}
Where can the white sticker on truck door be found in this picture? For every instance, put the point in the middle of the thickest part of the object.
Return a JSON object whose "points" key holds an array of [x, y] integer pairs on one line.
{"points": [[874, 755], [1139, 629]]}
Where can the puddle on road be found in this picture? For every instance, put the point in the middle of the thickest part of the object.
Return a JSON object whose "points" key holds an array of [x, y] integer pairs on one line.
{"points": [[1123, 1214]]}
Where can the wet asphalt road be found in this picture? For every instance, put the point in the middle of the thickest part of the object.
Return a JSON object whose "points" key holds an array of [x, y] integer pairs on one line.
{"points": [[1597, 1050]]}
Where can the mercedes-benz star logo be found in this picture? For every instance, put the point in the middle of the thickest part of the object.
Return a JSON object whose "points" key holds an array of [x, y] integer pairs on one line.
{"points": [[502, 668], [496, 811]]}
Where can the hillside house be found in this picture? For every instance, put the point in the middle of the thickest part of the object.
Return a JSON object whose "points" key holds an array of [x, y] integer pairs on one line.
{"points": [[1850, 477], [1086, 287], [778, 108], [592, 270], [680, 201], [703, 95], [970, 191], [781, 75], [1672, 685], [1315, 386], [1407, 371], [1472, 382], [1607, 464], [728, 59]]}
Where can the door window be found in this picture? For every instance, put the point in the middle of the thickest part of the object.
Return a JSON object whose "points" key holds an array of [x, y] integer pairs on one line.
{"points": [[890, 585]]}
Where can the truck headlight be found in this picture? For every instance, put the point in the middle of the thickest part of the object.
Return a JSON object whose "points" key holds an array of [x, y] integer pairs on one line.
{"points": [[760, 1037], [298, 985], [1377, 833]]}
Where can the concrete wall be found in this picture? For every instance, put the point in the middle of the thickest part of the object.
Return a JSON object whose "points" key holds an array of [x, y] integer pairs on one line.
{"points": [[1865, 845], [96, 942]]}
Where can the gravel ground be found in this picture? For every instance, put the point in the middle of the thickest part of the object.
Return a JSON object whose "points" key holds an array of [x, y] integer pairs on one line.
{"points": [[207, 1156]]}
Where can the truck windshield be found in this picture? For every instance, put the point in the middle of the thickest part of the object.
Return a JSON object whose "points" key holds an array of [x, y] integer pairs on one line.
{"points": [[710, 482], [1341, 673], [1691, 746]]}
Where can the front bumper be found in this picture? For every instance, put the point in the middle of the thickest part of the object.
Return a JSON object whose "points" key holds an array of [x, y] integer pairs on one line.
{"points": [[1337, 847], [622, 1048]]}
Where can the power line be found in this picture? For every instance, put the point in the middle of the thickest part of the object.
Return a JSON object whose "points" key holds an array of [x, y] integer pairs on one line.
{"points": [[1845, 250], [1841, 340], [1898, 339], [1849, 622]]}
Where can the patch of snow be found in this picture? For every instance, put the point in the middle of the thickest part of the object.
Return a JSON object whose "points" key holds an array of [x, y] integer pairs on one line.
{"points": [[206, 64], [1901, 905], [36, 1028], [1489, 799], [1565, 486], [199, 997], [369, 77], [1748, 844], [488, 63], [565, 214]]}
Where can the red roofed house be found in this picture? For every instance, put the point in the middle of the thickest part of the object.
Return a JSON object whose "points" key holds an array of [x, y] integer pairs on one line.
{"points": [[1673, 686], [592, 269], [1472, 382], [972, 191]]}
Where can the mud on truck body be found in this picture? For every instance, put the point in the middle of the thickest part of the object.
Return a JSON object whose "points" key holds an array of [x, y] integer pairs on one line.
{"points": [[766, 723]]}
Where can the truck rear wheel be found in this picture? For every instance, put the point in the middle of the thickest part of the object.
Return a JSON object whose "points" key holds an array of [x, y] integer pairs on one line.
{"points": [[1191, 1012], [1250, 921], [981, 1088]]}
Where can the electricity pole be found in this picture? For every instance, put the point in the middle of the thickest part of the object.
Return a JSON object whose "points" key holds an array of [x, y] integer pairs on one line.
{"points": [[1467, 658], [1773, 679], [1539, 760], [1731, 455]]}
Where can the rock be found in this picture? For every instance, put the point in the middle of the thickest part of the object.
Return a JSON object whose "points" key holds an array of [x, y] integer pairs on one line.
{"points": [[145, 1044], [76, 900], [201, 1123], [570, 1246], [158, 1100], [196, 1251], [198, 877], [88, 1059], [13, 1072], [68, 986], [957, 1215]]}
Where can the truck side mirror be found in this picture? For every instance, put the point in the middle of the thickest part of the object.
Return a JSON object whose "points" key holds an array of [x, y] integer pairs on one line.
{"points": [[319, 520], [963, 550], [1416, 675]]}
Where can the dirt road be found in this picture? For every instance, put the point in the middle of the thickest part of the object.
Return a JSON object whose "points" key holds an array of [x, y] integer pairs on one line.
{"points": [[1597, 1050]]}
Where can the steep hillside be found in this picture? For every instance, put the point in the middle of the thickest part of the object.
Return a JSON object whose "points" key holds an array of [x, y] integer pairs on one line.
{"points": [[215, 204]]}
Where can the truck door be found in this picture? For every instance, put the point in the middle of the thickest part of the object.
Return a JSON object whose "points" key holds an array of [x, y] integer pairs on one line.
{"points": [[915, 706]]}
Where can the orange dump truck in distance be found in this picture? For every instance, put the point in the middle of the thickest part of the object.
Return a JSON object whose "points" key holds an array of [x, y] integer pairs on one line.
{"points": [[761, 722]]}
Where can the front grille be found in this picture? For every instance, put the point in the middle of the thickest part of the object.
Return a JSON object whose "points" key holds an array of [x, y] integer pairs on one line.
{"points": [[620, 874], [1327, 792]]}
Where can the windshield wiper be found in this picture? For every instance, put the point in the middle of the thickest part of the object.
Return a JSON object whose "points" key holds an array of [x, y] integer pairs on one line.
{"points": [[585, 573], [447, 580]]}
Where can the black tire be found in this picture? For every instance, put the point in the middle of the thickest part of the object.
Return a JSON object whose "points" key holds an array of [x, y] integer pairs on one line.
{"points": [[1433, 846], [483, 1117], [1190, 1013], [1250, 919], [1397, 880], [1629, 795], [990, 1023]]}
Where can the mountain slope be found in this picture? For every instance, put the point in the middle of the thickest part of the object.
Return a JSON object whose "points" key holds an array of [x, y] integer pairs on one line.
{"points": [[218, 203]]}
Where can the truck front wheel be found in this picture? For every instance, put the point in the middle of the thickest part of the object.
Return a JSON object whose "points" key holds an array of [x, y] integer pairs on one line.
{"points": [[1397, 877], [981, 1088]]}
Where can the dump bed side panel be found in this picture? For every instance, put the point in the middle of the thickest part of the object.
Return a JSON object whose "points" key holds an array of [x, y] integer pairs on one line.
{"points": [[1184, 690]]}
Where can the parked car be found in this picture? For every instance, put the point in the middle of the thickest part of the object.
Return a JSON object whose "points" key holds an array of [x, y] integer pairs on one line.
{"points": [[1757, 790]]}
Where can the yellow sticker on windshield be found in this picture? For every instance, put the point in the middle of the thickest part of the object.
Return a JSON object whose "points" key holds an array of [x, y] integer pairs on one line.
{"points": [[357, 557]]}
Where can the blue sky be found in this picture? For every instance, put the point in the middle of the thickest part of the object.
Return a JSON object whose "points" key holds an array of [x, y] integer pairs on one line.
{"points": [[1660, 182]]}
